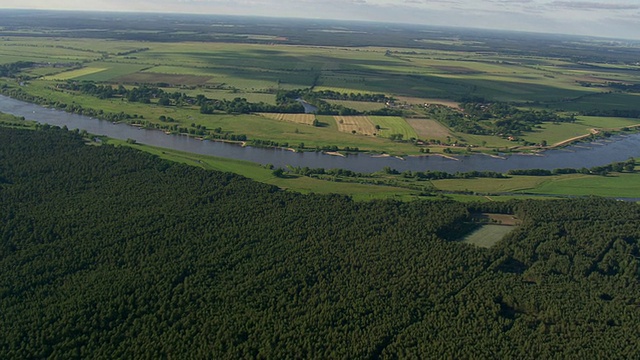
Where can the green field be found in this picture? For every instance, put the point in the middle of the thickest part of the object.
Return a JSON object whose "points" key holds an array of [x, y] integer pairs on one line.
{"points": [[614, 185], [394, 125]]}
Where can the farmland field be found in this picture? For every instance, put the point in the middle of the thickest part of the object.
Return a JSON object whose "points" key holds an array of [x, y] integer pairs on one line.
{"points": [[361, 125], [390, 125], [112, 71], [429, 129], [157, 78], [305, 119], [67, 75]]}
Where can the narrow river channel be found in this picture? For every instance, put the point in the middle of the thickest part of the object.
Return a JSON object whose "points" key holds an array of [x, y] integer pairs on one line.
{"points": [[601, 152]]}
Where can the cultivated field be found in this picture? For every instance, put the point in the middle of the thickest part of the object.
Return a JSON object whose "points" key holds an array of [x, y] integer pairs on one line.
{"points": [[68, 75], [157, 78], [429, 129], [361, 125], [306, 119]]}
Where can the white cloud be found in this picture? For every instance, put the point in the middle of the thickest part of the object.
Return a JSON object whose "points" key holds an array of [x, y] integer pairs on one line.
{"points": [[598, 17]]}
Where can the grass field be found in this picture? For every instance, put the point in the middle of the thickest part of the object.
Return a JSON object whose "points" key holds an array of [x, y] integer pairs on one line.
{"points": [[488, 235], [361, 125], [615, 185], [305, 119], [113, 71], [156, 78], [554, 133], [429, 129], [393, 125], [485, 185]]}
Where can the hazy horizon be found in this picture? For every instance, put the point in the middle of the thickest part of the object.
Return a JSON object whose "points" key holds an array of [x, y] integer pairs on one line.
{"points": [[613, 19]]}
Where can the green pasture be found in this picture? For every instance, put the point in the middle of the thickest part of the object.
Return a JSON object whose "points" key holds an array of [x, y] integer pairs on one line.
{"points": [[45, 71], [557, 132], [554, 133], [63, 45], [486, 141], [601, 101], [394, 125], [44, 53], [601, 122], [613, 185], [488, 185], [113, 71], [487, 235]]}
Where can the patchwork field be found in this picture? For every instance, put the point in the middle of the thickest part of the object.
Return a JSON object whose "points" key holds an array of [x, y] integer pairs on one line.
{"points": [[361, 125], [306, 119]]}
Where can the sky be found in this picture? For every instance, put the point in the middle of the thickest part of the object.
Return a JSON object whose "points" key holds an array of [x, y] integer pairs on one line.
{"points": [[606, 18]]}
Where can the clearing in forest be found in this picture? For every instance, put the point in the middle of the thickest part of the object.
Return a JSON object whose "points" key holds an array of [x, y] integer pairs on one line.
{"points": [[429, 129], [487, 235], [306, 119], [359, 124]]}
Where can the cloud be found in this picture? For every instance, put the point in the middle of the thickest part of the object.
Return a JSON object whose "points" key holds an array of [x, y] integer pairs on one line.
{"points": [[589, 6]]}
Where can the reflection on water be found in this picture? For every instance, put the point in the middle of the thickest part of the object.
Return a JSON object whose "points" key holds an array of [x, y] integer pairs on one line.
{"points": [[618, 148]]}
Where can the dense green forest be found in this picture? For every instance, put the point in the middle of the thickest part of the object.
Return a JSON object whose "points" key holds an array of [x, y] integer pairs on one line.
{"points": [[109, 252]]}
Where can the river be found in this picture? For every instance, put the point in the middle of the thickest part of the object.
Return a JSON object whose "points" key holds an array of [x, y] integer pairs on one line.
{"points": [[601, 152]]}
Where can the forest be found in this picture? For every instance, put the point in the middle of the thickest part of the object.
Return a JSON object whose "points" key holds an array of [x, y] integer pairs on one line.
{"points": [[110, 252]]}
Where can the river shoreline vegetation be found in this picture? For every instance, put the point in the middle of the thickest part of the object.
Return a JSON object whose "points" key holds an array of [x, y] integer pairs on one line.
{"points": [[616, 180], [110, 248], [109, 251]]}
